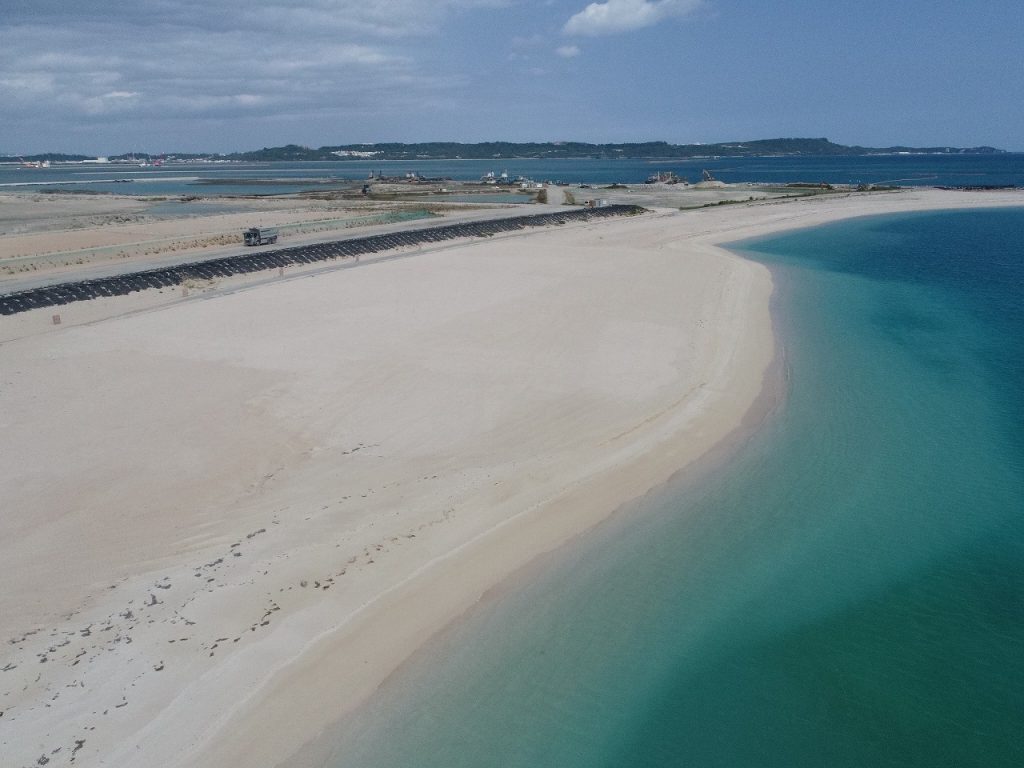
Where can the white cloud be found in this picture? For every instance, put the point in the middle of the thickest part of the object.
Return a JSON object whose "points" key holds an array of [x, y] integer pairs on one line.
{"points": [[385, 18], [103, 104], [148, 62], [27, 84], [613, 16], [106, 69], [568, 51]]}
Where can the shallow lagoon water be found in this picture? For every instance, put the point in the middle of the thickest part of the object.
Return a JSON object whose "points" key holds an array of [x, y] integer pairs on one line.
{"points": [[847, 590], [282, 178]]}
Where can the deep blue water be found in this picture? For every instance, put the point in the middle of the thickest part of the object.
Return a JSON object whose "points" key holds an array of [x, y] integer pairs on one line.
{"points": [[847, 591], [209, 179]]}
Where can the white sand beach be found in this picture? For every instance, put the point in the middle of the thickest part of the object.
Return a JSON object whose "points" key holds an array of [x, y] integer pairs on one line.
{"points": [[227, 518]]}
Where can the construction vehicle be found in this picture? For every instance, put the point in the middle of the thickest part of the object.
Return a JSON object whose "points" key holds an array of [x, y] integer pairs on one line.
{"points": [[260, 236]]}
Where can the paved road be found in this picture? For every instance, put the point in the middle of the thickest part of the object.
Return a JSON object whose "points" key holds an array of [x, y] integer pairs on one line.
{"points": [[24, 282], [258, 260]]}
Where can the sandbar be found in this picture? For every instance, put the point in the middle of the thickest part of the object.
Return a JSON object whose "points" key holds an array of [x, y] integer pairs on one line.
{"points": [[228, 519]]}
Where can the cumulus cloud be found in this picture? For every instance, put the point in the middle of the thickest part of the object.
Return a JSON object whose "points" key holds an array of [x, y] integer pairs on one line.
{"points": [[614, 16], [568, 51]]}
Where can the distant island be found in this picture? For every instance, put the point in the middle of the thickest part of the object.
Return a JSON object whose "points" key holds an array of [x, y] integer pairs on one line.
{"points": [[569, 150]]}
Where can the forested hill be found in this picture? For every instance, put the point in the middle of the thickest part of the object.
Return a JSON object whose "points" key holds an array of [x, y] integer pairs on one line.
{"points": [[573, 149], [447, 150]]}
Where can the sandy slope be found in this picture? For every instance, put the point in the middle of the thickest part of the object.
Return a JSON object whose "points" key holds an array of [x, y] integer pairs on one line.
{"points": [[226, 520]]}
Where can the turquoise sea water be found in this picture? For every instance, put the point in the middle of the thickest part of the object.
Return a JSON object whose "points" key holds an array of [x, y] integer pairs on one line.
{"points": [[847, 591]]}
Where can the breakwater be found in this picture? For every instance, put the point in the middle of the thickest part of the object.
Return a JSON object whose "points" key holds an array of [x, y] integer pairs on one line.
{"points": [[164, 277]]}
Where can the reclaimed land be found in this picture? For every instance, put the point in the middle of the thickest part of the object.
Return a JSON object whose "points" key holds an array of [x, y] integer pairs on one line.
{"points": [[121, 285]]}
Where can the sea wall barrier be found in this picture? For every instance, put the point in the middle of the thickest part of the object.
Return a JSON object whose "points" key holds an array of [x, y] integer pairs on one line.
{"points": [[164, 277], [122, 250]]}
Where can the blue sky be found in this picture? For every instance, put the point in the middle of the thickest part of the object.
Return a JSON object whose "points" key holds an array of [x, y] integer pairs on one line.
{"points": [[100, 77]]}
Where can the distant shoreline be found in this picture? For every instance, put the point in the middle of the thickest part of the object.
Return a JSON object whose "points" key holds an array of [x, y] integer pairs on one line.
{"points": [[562, 150]]}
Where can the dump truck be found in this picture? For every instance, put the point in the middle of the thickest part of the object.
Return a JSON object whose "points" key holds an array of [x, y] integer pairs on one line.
{"points": [[260, 236]]}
